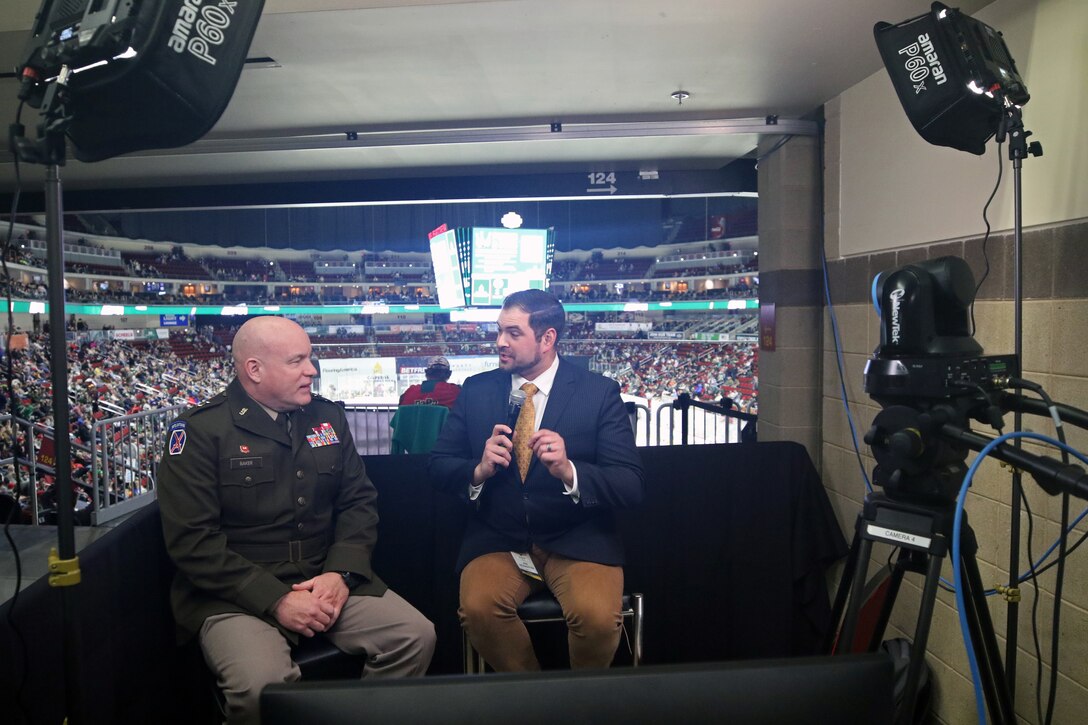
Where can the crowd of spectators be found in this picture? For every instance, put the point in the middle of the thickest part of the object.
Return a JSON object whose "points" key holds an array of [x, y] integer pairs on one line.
{"points": [[110, 378], [263, 281], [644, 367], [709, 270], [106, 379], [708, 372], [603, 293]]}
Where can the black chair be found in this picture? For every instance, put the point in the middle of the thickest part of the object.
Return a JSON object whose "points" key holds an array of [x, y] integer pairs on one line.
{"points": [[319, 659], [542, 606]]}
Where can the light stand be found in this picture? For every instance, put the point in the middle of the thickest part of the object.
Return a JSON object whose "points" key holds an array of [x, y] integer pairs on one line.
{"points": [[1013, 124], [135, 92], [957, 83], [49, 149]]}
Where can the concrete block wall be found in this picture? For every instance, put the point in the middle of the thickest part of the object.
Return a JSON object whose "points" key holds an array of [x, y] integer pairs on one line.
{"points": [[790, 278]]}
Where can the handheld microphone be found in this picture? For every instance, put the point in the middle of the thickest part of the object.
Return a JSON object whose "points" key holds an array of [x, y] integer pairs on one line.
{"points": [[513, 407]]}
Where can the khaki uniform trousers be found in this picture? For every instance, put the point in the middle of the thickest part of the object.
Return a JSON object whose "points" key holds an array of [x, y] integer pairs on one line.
{"points": [[247, 653]]}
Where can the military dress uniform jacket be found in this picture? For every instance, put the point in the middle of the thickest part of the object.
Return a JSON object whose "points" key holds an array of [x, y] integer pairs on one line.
{"points": [[248, 510]]}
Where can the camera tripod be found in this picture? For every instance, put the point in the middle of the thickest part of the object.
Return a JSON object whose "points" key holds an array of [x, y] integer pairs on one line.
{"points": [[922, 533]]}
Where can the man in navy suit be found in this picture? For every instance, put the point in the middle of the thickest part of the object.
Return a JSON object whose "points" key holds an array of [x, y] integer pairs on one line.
{"points": [[554, 525]]}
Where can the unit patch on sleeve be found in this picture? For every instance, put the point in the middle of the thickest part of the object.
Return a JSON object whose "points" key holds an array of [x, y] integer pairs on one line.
{"points": [[325, 435], [177, 437]]}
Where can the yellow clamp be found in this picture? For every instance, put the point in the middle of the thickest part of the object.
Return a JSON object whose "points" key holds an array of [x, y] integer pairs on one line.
{"points": [[1010, 594], [63, 572]]}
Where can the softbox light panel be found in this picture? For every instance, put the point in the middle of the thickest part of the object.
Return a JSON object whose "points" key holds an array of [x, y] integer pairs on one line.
{"points": [[189, 56], [950, 72]]}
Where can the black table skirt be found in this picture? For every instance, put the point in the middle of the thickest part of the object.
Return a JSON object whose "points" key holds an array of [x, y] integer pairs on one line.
{"points": [[729, 548]]}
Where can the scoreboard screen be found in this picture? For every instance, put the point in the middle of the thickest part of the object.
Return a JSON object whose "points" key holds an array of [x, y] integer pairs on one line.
{"points": [[505, 261], [490, 263], [447, 270]]}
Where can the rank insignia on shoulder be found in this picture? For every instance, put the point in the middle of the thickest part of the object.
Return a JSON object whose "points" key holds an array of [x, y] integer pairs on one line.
{"points": [[177, 438]]}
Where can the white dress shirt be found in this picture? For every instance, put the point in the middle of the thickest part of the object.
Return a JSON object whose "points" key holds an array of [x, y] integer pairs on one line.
{"points": [[543, 383]]}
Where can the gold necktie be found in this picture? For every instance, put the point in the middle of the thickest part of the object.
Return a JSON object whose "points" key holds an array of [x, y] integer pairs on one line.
{"points": [[523, 430]]}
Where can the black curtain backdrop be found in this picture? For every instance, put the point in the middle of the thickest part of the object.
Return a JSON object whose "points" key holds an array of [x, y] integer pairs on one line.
{"points": [[729, 548]]}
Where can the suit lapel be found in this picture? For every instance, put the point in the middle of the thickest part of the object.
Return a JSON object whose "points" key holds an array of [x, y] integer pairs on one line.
{"points": [[491, 407], [560, 396], [500, 399]]}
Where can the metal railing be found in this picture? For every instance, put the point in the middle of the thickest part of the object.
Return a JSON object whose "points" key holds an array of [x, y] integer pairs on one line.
{"points": [[118, 469], [125, 462], [689, 421], [639, 413], [18, 429], [124, 452], [370, 427]]}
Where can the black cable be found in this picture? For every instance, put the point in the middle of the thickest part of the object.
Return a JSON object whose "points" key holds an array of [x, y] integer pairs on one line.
{"points": [[32, 491], [1063, 541], [1074, 547], [1034, 609], [992, 415], [986, 237], [1066, 413], [778, 144]]}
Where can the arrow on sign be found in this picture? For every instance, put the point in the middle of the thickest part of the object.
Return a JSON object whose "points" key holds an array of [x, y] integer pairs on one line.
{"points": [[610, 189]]}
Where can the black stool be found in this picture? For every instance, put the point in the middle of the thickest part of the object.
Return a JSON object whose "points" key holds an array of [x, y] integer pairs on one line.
{"points": [[542, 606], [319, 659]]}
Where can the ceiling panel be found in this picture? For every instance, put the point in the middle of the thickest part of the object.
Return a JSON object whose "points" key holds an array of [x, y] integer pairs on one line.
{"points": [[398, 66]]}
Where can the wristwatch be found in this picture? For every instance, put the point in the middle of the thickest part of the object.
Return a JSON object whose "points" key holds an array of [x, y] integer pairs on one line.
{"points": [[351, 579]]}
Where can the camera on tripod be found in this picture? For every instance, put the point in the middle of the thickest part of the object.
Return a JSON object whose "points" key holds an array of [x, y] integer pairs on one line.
{"points": [[929, 372]]}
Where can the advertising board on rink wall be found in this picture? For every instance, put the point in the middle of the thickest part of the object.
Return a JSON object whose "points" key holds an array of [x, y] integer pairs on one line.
{"points": [[381, 380]]}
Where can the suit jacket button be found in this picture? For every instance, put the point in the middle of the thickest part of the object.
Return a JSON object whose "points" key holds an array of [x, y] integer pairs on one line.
{"points": [[249, 479], [300, 475], [300, 525], [301, 500]]}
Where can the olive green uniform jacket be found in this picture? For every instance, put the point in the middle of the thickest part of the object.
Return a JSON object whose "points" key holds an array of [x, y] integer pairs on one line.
{"points": [[248, 510]]}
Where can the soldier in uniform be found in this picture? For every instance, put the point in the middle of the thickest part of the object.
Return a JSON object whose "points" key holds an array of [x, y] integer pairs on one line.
{"points": [[271, 519]]}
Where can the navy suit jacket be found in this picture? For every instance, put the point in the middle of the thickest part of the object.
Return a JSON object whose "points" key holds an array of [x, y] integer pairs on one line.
{"points": [[586, 410]]}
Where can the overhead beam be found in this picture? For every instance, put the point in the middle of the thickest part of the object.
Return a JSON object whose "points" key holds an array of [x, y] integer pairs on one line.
{"points": [[362, 138]]}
